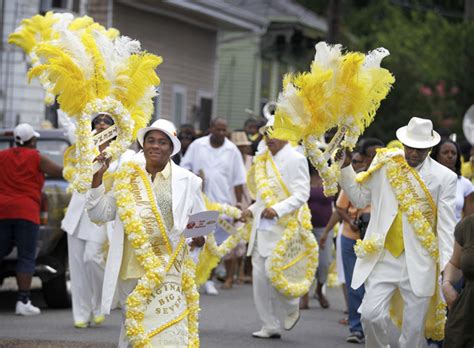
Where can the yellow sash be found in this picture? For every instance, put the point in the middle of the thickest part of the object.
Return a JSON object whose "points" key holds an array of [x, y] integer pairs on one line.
{"points": [[165, 315], [294, 259], [436, 315]]}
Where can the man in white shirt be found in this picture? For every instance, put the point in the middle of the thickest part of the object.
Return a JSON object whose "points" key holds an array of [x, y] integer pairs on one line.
{"points": [[219, 162]]}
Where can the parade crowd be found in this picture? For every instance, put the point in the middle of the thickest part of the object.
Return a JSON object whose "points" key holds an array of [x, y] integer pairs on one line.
{"points": [[221, 159], [295, 209]]}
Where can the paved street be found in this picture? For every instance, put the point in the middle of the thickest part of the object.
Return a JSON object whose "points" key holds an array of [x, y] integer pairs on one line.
{"points": [[226, 321]]}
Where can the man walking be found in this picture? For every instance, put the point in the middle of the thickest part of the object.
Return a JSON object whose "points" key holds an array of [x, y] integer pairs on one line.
{"points": [[220, 163], [284, 180], [412, 220]]}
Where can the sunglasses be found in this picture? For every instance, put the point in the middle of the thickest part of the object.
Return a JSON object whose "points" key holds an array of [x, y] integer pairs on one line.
{"points": [[107, 120]]}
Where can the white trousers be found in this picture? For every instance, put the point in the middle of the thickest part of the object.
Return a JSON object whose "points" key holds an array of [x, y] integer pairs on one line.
{"points": [[389, 274], [271, 306], [86, 266]]}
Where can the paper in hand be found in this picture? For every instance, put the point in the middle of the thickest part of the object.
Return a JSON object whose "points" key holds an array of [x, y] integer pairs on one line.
{"points": [[201, 224]]}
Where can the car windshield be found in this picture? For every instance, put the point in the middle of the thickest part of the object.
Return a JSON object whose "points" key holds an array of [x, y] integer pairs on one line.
{"points": [[52, 148]]}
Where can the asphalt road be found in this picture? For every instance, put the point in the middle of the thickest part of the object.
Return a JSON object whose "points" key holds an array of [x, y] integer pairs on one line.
{"points": [[227, 321]]}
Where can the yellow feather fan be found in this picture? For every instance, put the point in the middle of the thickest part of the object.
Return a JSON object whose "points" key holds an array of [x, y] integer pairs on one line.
{"points": [[337, 87], [340, 91], [33, 30], [91, 70]]}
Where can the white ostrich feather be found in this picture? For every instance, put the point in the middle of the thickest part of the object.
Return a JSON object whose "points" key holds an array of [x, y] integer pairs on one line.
{"points": [[327, 56], [64, 19], [291, 104], [107, 49], [71, 44], [125, 46], [67, 123], [374, 57]]}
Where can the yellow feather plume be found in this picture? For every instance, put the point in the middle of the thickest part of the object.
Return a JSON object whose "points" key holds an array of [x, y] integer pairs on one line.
{"points": [[33, 30], [134, 83], [100, 85], [64, 73], [331, 93]]}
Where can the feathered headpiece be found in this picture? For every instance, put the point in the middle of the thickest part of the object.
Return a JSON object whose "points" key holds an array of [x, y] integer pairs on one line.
{"points": [[340, 90], [91, 70]]}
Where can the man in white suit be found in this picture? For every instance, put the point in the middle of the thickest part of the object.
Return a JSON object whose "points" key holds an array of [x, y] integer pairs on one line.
{"points": [[403, 263], [177, 195], [266, 232]]}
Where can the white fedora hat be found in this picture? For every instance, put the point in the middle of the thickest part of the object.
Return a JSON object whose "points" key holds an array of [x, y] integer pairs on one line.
{"points": [[418, 134], [166, 127]]}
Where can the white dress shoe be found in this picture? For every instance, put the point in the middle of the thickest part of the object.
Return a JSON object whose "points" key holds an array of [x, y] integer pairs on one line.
{"points": [[26, 308], [210, 288], [263, 333], [291, 320]]}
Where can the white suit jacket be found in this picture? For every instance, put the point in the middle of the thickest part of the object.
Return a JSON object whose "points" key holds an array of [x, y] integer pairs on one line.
{"points": [[294, 172], [377, 191], [76, 222], [187, 200]]}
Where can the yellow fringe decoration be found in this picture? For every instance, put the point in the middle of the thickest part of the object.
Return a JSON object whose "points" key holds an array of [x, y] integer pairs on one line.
{"points": [[33, 30]]}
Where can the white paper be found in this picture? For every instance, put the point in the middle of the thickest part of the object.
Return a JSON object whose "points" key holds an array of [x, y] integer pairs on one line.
{"points": [[201, 224]]}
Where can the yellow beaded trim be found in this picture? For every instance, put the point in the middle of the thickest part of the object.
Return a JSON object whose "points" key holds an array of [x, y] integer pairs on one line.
{"points": [[169, 324], [154, 208], [299, 221]]}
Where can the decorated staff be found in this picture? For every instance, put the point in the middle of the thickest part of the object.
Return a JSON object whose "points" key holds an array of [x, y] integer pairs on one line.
{"points": [[91, 70], [283, 248], [212, 253], [341, 90]]}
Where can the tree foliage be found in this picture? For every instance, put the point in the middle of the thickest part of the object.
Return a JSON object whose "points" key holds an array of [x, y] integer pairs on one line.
{"points": [[431, 57]]}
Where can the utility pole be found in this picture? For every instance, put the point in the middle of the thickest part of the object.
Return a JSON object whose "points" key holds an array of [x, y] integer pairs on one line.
{"points": [[334, 20], [468, 10]]}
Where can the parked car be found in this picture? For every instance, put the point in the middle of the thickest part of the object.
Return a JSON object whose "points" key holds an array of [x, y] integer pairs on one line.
{"points": [[51, 255]]}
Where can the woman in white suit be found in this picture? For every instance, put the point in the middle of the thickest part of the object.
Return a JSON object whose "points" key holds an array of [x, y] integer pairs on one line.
{"points": [[164, 195], [86, 242], [402, 262]]}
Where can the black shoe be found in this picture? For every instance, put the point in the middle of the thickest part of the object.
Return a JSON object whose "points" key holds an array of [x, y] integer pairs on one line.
{"points": [[355, 337]]}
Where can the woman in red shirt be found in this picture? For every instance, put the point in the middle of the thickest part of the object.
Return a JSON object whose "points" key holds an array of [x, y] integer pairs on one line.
{"points": [[22, 172]]}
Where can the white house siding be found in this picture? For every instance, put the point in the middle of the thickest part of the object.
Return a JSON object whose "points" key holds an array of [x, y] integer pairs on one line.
{"points": [[19, 101], [238, 72], [188, 51]]}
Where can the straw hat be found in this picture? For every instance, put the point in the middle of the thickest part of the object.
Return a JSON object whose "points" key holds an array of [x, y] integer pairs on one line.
{"points": [[240, 138]]}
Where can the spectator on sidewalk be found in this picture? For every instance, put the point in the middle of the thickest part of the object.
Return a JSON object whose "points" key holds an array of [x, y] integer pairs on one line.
{"points": [[21, 181]]}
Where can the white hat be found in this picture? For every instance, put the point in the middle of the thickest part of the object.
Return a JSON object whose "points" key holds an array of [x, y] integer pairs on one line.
{"points": [[166, 127], [269, 124], [418, 134], [24, 132]]}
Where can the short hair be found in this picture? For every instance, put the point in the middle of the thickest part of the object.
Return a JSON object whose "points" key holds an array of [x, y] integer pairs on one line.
{"points": [[369, 142], [436, 150], [217, 119], [249, 121]]}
